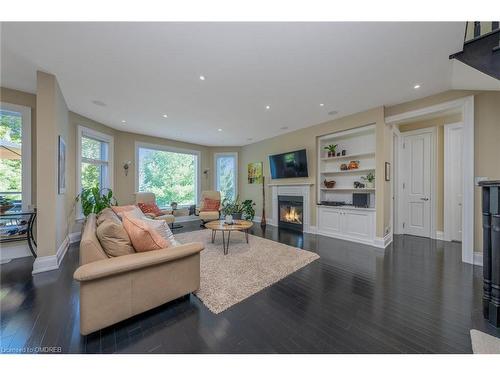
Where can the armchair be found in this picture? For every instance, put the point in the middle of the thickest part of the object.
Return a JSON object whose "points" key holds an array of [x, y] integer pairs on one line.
{"points": [[206, 216], [146, 197]]}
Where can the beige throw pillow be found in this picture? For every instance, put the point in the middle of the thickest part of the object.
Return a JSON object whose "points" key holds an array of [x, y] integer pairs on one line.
{"points": [[107, 214], [114, 239]]}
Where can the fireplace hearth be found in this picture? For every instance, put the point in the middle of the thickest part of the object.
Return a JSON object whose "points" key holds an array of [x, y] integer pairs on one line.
{"points": [[291, 212]]}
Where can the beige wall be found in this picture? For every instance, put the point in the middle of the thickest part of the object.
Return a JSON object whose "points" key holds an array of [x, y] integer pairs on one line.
{"points": [[125, 150], [307, 138], [438, 123], [27, 100], [486, 138], [52, 121]]}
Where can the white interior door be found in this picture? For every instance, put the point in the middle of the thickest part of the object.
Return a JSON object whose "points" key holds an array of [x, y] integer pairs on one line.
{"points": [[453, 181], [416, 167]]}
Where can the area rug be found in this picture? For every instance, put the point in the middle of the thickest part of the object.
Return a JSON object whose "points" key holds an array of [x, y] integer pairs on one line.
{"points": [[483, 343], [226, 280]]}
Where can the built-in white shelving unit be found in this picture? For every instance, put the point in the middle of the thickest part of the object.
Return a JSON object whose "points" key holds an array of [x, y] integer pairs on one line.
{"points": [[347, 222]]}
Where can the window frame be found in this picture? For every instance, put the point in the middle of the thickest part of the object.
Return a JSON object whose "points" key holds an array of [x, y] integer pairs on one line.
{"points": [[157, 147], [216, 171], [84, 132], [26, 171]]}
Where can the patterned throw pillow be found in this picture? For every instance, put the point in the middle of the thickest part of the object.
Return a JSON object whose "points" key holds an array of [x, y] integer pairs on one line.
{"points": [[210, 204], [150, 208]]}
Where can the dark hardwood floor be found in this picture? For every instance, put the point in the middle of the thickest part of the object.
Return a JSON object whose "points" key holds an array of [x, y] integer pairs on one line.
{"points": [[414, 297]]}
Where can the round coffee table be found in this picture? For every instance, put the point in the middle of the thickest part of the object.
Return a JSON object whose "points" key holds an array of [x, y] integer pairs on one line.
{"points": [[220, 225]]}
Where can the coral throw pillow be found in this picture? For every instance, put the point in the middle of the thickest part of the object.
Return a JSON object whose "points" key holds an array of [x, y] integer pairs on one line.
{"points": [[211, 204], [120, 210], [146, 234], [150, 208]]}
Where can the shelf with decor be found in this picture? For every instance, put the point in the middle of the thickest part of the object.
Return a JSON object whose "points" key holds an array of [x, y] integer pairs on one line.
{"points": [[345, 179], [358, 170], [351, 156], [347, 189]]}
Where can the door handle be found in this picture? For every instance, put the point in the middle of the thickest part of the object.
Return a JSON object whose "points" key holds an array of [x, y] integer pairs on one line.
{"points": [[424, 199]]}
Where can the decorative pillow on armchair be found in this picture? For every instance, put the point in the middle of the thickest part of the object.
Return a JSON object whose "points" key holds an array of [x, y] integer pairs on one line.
{"points": [[210, 205], [150, 209]]}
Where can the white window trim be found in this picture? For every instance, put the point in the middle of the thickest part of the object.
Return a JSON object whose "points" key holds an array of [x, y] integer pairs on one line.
{"points": [[82, 131], [153, 146], [25, 151], [216, 173]]}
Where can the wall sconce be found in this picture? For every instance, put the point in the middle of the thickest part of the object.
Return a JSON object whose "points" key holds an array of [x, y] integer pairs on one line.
{"points": [[126, 166], [205, 172]]}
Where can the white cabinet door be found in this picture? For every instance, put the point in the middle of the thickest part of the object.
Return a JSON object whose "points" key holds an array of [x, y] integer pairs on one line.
{"points": [[329, 219], [357, 224]]}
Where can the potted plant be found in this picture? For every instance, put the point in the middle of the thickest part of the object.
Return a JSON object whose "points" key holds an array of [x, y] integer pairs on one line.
{"points": [[94, 200], [332, 149], [5, 204], [231, 210], [370, 180], [248, 210]]}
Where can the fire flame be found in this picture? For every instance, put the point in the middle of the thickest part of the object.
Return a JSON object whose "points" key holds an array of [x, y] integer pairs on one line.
{"points": [[292, 216]]}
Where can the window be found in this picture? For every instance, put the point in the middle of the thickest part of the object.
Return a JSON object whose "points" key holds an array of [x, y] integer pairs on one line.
{"points": [[226, 174], [171, 174], [15, 155], [95, 159]]}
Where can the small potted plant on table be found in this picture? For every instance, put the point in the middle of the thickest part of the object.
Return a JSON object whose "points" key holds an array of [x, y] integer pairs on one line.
{"points": [[332, 149]]}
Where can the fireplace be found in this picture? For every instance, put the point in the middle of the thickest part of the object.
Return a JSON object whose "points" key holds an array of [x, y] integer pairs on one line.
{"points": [[291, 212]]}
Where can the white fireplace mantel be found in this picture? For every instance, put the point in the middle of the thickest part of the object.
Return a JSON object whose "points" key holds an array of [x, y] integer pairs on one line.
{"points": [[294, 189]]}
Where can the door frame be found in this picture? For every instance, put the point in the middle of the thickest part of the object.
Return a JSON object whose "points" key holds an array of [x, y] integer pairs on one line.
{"points": [[466, 106], [402, 204], [396, 185], [448, 186]]}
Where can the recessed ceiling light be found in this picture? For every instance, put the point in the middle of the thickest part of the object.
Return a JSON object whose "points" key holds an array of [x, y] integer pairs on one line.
{"points": [[123, 121], [284, 127], [219, 130], [99, 103], [321, 105], [268, 107], [202, 78], [333, 113], [165, 116], [416, 87]]}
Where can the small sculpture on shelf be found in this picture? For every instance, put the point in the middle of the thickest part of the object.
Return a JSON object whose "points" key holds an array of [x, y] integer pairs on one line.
{"points": [[344, 167], [353, 164], [343, 152], [359, 185], [329, 184], [332, 149]]}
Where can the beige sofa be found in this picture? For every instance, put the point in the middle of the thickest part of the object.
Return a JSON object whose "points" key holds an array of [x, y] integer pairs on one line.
{"points": [[114, 289]]}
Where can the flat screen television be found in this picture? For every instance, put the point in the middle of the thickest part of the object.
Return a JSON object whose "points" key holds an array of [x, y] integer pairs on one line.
{"points": [[289, 165]]}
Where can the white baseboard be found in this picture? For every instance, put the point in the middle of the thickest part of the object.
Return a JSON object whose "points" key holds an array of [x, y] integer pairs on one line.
{"points": [[439, 235], [52, 262], [478, 259], [383, 242], [75, 237], [312, 230], [257, 219]]}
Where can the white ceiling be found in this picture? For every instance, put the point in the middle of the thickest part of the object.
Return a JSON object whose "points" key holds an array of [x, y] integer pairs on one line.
{"points": [[144, 70]]}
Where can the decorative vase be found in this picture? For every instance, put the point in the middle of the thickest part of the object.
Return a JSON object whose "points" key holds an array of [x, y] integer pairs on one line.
{"points": [[237, 216], [228, 219], [343, 152]]}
